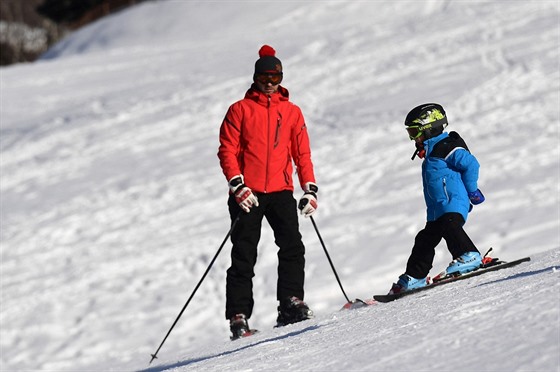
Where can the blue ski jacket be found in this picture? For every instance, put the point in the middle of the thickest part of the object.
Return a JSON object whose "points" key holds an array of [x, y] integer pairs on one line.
{"points": [[447, 177]]}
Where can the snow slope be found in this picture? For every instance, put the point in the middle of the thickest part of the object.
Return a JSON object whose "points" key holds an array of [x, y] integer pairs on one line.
{"points": [[113, 203]]}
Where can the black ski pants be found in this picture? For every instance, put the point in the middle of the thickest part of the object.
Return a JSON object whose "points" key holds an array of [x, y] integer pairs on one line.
{"points": [[280, 210], [449, 227]]}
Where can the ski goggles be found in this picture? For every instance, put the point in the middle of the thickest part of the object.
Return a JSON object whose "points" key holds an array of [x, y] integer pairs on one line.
{"points": [[417, 130], [273, 79]]}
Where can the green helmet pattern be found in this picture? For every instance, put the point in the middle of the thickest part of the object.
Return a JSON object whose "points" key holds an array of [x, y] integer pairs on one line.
{"points": [[429, 116]]}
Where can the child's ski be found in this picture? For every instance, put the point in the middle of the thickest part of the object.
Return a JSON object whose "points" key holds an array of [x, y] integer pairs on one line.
{"points": [[444, 280]]}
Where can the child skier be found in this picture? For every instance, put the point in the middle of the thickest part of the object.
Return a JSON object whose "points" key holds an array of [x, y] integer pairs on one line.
{"points": [[449, 177]]}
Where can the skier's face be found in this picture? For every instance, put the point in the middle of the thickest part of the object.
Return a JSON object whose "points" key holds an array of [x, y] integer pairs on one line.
{"points": [[420, 140], [266, 88], [268, 83]]}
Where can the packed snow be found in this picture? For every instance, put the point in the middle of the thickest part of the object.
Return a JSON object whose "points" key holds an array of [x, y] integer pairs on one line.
{"points": [[113, 203]]}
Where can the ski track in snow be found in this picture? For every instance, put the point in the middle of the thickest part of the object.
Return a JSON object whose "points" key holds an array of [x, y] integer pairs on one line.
{"points": [[113, 202]]}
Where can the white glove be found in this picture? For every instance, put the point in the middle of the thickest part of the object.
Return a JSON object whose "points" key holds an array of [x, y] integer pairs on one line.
{"points": [[243, 195], [308, 202]]}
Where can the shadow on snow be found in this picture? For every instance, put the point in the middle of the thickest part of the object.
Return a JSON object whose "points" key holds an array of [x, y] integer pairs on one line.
{"points": [[524, 274], [225, 353]]}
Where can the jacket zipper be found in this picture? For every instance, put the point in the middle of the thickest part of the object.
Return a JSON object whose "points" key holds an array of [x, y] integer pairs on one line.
{"points": [[267, 142], [445, 189]]}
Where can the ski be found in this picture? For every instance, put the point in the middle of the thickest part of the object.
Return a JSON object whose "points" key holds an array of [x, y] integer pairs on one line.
{"points": [[493, 266], [246, 334], [357, 304]]}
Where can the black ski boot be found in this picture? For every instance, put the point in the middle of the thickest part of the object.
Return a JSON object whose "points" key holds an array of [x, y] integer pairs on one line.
{"points": [[292, 310], [239, 327]]}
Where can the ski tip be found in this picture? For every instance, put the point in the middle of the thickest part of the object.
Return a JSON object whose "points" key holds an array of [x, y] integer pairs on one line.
{"points": [[357, 304]]}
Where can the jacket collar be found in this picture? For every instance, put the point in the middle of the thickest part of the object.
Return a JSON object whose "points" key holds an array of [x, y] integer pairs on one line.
{"points": [[256, 95], [429, 144]]}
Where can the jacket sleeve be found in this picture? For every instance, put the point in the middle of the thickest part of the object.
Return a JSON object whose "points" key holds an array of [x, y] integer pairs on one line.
{"points": [[301, 152], [467, 165], [230, 136]]}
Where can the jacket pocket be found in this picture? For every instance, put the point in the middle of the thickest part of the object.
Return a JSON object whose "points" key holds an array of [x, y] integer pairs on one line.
{"points": [[277, 132], [437, 191], [287, 170]]}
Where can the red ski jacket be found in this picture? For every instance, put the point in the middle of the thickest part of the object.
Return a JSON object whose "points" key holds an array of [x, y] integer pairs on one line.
{"points": [[260, 136]]}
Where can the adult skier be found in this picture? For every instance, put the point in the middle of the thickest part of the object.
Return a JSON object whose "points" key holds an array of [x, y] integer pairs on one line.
{"points": [[260, 137]]}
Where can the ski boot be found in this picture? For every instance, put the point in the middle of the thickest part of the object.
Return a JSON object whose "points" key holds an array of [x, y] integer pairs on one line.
{"points": [[292, 310], [465, 263], [239, 327], [407, 283]]}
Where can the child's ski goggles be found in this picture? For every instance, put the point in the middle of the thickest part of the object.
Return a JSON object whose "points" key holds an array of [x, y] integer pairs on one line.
{"points": [[417, 130]]}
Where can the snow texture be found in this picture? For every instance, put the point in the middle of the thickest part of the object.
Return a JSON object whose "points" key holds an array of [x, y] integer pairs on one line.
{"points": [[113, 202]]}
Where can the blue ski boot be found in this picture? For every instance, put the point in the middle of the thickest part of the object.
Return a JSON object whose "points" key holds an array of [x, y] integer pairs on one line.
{"points": [[465, 263], [407, 283]]}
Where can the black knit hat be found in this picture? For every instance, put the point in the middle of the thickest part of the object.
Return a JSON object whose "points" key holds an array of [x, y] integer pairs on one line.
{"points": [[268, 63]]}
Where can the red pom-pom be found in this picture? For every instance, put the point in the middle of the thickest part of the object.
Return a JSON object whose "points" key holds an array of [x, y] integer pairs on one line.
{"points": [[267, 50]]}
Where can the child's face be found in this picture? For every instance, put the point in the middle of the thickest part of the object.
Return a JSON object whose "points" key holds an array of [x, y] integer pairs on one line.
{"points": [[420, 140]]}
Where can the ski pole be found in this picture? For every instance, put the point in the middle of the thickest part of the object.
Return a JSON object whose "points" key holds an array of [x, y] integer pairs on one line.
{"points": [[154, 355], [329, 258]]}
